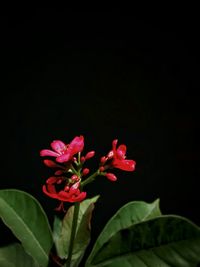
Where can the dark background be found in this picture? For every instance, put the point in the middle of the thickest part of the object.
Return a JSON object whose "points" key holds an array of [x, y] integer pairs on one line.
{"points": [[113, 74]]}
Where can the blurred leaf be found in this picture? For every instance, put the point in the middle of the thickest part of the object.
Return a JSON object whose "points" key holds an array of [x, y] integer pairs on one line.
{"points": [[162, 241], [23, 214], [128, 215], [62, 231], [14, 256]]}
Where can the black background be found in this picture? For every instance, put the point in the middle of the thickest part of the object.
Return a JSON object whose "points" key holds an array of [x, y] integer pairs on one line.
{"points": [[105, 75]]}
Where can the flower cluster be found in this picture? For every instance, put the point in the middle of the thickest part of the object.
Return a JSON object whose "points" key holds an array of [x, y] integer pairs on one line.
{"points": [[70, 175]]}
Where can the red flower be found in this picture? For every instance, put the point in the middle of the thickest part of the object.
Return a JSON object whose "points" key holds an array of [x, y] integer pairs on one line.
{"points": [[69, 194], [118, 156], [63, 152]]}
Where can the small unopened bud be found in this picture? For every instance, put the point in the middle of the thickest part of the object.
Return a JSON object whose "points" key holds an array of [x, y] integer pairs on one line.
{"points": [[74, 159], [54, 180], [111, 177], [75, 186], [75, 178], [82, 159], [59, 172], [110, 155], [85, 171], [50, 163], [114, 142], [59, 181], [103, 159], [66, 188], [51, 180], [101, 169], [89, 155]]}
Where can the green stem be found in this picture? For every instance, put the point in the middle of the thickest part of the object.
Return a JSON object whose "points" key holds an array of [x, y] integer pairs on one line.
{"points": [[90, 178], [79, 157], [73, 232], [74, 170]]}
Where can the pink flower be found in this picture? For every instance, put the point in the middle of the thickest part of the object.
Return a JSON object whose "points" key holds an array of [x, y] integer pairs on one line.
{"points": [[69, 194], [118, 157], [63, 152]]}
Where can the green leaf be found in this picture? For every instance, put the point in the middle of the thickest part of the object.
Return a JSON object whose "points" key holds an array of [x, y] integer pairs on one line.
{"points": [[62, 231], [162, 241], [23, 214], [128, 215], [14, 256]]}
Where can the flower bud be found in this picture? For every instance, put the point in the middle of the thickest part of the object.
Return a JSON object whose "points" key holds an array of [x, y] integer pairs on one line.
{"points": [[85, 171], [110, 155], [50, 163], [114, 142], [89, 155], [75, 186], [82, 159], [101, 169], [111, 177], [75, 178], [52, 180], [103, 159], [66, 189], [59, 172]]}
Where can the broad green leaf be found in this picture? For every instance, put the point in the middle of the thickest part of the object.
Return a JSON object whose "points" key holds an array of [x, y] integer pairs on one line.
{"points": [[162, 241], [14, 256], [128, 215], [62, 231], [23, 214]]}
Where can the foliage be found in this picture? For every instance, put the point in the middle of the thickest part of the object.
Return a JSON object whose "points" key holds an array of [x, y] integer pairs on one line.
{"points": [[137, 235]]}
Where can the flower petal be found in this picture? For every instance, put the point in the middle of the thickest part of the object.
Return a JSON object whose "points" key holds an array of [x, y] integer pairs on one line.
{"points": [[121, 152], [58, 146], [63, 195], [47, 152], [51, 180], [126, 165], [114, 144], [75, 186], [52, 164], [77, 144], [63, 158], [50, 192], [79, 198]]}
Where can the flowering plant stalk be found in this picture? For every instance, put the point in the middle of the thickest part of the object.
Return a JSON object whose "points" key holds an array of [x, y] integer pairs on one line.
{"points": [[137, 235]]}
